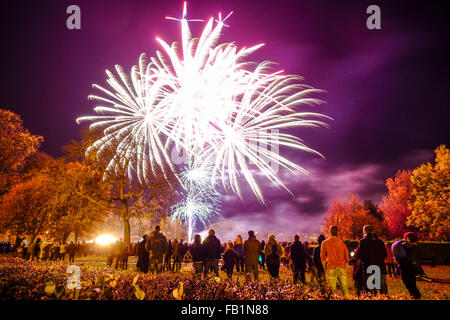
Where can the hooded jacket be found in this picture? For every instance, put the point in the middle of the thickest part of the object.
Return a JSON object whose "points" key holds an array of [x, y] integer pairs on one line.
{"points": [[273, 252]]}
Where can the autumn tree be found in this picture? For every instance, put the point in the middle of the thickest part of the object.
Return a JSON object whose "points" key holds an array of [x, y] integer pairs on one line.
{"points": [[130, 198], [350, 215], [16, 145], [395, 203], [25, 209], [80, 200], [430, 210]]}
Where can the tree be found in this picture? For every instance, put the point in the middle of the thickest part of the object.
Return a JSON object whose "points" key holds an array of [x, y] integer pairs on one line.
{"points": [[25, 209], [125, 194], [80, 200], [430, 210], [396, 203], [350, 216], [16, 145], [128, 198]]}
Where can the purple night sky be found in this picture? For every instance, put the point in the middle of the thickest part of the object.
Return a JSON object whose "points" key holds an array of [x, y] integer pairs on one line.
{"points": [[385, 89]]}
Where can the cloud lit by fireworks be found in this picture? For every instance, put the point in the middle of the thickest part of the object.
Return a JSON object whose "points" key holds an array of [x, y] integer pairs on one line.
{"points": [[204, 98]]}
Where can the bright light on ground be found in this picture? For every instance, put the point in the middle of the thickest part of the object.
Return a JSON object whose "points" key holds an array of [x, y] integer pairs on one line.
{"points": [[105, 239]]}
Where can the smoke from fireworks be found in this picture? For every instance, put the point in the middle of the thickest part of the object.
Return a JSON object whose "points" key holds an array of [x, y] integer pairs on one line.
{"points": [[204, 98]]}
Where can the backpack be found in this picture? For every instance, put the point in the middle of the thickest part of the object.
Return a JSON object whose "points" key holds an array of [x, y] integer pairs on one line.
{"points": [[399, 251]]}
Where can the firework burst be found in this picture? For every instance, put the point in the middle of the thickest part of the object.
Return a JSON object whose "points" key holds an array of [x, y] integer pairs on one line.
{"points": [[200, 199], [204, 98]]}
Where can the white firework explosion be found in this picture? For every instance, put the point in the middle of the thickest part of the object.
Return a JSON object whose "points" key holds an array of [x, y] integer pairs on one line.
{"points": [[204, 98]]}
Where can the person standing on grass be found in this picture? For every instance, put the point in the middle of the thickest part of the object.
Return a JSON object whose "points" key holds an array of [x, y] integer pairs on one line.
{"points": [[405, 251], [251, 254], [262, 255], [55, 252], [230, 258], [371, 252], [282, 257], [24, 251], [318, 271], [273, 253], [299, 259], [238, 248], [335, 258], [143, 255], [198, 257], [168, 257], [390, 262], [212, 250], [178, 255], [71, 250], [183, 249], [62, 251], [175, 253], [35, 250], [156, 246]]}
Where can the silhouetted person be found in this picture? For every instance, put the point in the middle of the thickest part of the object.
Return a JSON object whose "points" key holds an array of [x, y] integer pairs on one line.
{"points": [[273, 253], [212, 250], [143, 255], [230, 258], [251, 254], [239, 249], [405, 251], [318, 270], [262, 255], [71, 250], [197, 252], [370, 252], [156, 246], [299, 259]]}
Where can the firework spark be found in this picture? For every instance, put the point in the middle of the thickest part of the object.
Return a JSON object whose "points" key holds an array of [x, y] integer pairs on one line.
{"points": [[200, 199], [206, 99]]}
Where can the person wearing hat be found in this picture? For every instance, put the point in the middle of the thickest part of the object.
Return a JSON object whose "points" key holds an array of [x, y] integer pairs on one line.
{"points": [[251, 254]]}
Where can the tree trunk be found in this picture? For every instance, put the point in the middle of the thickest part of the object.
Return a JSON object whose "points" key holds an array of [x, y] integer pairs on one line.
{"points": [[126, 232], [126, 223], [65, 236], [18, 242]]}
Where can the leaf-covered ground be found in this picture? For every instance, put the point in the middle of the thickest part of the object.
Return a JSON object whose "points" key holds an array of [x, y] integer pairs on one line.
{"points": [[24, 280]]}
